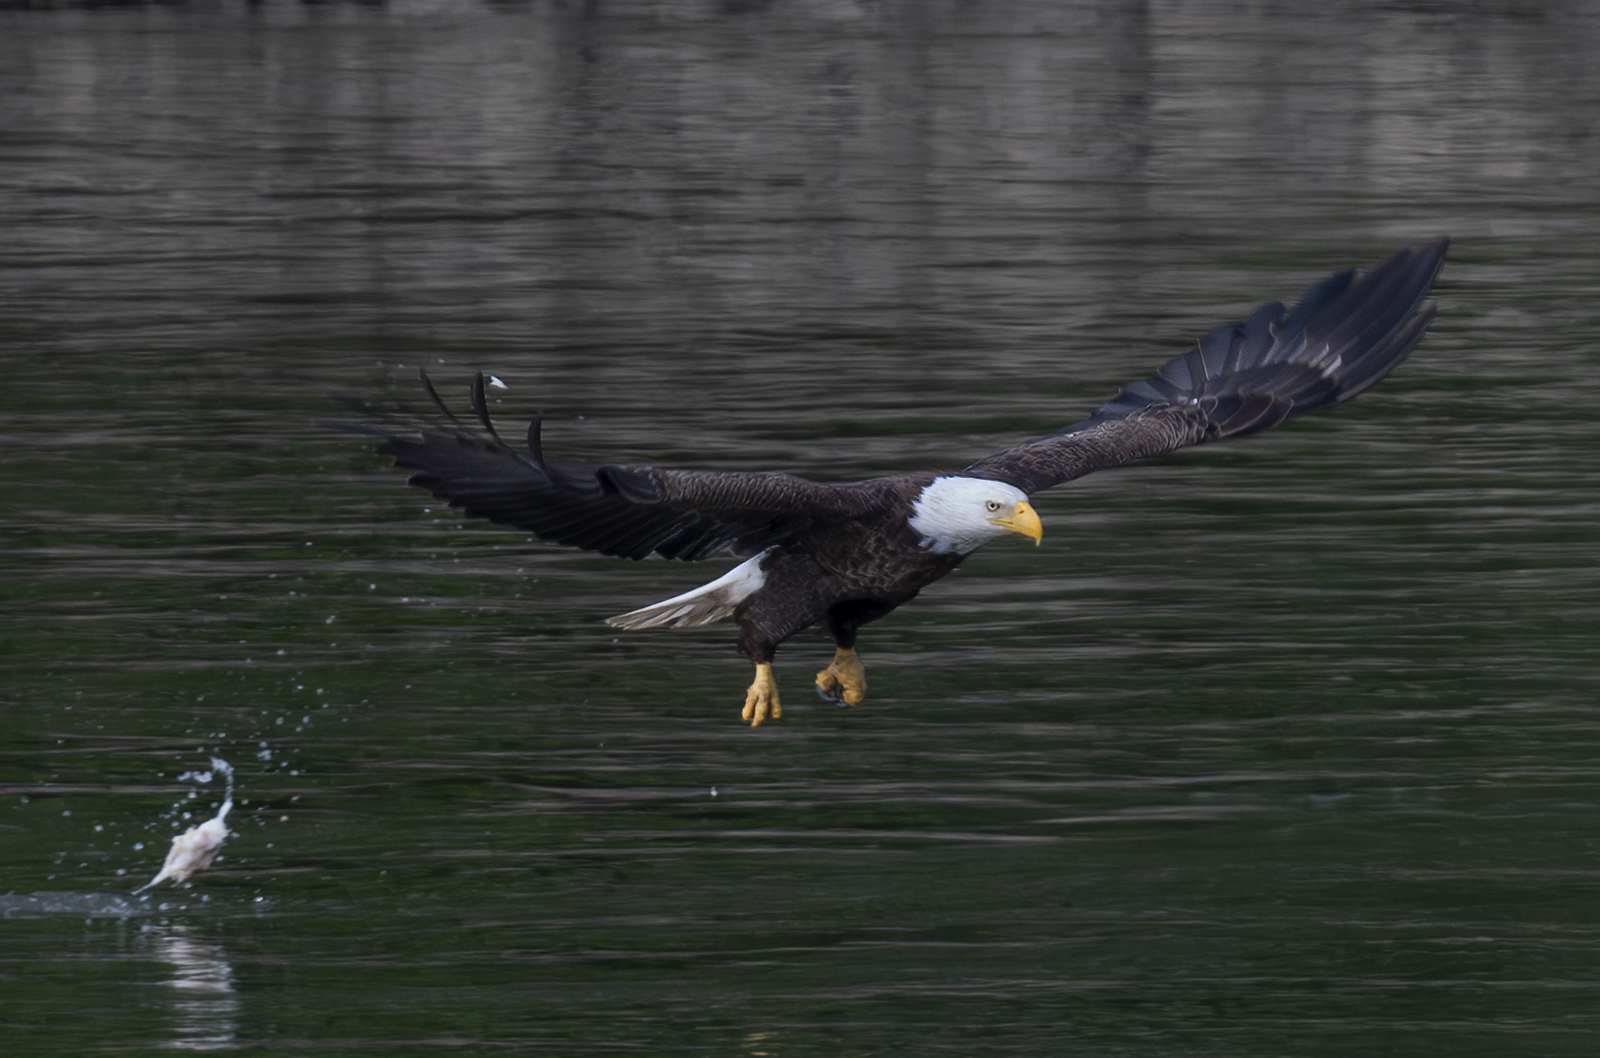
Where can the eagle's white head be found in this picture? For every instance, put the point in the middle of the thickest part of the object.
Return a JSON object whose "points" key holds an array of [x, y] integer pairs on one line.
{"points": [[959, 515]]}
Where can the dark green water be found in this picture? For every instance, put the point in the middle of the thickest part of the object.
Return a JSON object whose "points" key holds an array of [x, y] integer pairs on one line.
{"points": [[1283, 748]]}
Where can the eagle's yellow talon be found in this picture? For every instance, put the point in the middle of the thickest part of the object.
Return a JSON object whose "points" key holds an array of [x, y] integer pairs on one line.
{"points": [[845, 679], [761, 700]]}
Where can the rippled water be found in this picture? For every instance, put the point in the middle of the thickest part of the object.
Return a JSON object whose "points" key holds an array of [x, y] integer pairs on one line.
{"points": [[1286, 747]]}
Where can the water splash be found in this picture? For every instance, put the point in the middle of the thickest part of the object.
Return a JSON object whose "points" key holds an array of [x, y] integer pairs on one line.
{"points": [[194, 850]]}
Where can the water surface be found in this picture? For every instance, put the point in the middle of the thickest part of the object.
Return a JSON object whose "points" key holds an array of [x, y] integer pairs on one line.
{"points": [[1285, 747]]}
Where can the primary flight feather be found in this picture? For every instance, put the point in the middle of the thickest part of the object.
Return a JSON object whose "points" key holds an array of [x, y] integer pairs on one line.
{"points": [[842, 555]]}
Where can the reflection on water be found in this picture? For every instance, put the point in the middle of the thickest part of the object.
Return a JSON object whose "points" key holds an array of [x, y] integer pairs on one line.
{"points": [[205, 1006], [762, 1044], [1282, 747]]}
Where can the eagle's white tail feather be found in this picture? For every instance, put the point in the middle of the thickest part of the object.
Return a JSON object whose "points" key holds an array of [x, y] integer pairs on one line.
{"points": [[707, 603]]}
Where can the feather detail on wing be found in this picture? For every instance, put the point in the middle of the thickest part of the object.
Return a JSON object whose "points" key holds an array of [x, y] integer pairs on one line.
{"points": [[1346, 334], [630, 512]]}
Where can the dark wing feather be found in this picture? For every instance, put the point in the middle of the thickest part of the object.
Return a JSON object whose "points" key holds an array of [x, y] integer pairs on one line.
{"points": [[1346, 334], [631, 512]]}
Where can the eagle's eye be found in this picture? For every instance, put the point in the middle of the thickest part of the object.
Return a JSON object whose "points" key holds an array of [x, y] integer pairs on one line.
{"points": [[993, 505]]}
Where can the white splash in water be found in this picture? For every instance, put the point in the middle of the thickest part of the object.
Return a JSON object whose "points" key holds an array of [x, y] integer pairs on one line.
{"points": [[194, 849]]}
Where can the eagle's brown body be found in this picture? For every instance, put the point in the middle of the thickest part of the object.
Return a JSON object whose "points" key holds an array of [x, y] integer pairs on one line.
{"points": [[843, 580], [842, 555]]}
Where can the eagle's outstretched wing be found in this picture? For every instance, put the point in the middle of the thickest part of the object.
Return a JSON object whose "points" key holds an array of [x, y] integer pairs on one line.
{"points": [[630, 512], [1347, 332]]}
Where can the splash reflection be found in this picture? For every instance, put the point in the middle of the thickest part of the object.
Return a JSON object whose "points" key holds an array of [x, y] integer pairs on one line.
{"points": [[760, 1044], [206, 1007]]}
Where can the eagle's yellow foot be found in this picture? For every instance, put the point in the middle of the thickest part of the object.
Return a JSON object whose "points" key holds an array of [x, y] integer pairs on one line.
{"points": [[761, 700], [845, 679]]}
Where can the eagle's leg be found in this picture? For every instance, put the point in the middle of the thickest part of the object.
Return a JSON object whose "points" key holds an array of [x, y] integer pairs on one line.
{"points": [[792, 596], [758, 644], [845, 679], [761, 700]]}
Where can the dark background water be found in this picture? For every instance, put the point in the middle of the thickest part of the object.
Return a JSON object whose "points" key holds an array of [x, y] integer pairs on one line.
{"points": [[1281, 748]]}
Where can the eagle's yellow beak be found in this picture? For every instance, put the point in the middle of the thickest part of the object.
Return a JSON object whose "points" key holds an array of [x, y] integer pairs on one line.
{"points": [[1022, 519]]}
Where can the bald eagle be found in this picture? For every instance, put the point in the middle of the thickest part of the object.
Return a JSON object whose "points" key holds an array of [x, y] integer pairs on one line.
{"points": [[844, 554]]}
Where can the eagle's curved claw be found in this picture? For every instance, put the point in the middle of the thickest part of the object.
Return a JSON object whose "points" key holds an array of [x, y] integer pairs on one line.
{"points": [[761, 700], [844, 680]]}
